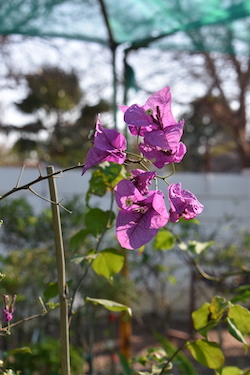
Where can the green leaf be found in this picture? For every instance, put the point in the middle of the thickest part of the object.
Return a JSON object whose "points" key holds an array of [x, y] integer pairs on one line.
{"points": [[235, 332], [97, 185], [183, 246], [218, 307], [241, 294], [23, 350], [51, 291], [105, 178], [52, 305], [241, 318], [195, 247], [110, 305], [207, 353], [164, 240], [108, 262], [1, 223], [231, 370], [113, 173], [77, 240], [172, 279], [201, 318], [78, 259], [97, 221], [126, 370], [199, 247]]}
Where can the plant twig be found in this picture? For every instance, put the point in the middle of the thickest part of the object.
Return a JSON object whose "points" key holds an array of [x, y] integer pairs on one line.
{"points": [[6, 329], [38, 179], [20, 176], [49, 201], [89, 265], [184, 345]]}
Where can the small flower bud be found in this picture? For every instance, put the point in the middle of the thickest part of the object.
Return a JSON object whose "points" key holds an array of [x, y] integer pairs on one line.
{"points": [[8, 310]]}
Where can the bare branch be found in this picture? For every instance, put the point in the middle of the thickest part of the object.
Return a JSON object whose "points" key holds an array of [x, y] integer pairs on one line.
{"points": [[49, 201], [20, 176], [38, 179]]}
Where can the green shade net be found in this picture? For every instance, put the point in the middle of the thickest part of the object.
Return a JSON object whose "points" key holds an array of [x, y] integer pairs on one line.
{"points": [[166, 24]]}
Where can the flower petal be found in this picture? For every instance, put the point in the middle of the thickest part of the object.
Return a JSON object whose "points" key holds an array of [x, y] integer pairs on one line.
{"points": [[132, 229]]}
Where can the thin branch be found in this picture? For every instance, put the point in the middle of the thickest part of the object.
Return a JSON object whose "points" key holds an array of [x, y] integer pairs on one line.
{"points": [[38, 179], [20, 176], [89, 265], [50, 201], [76, 290], [184, 345], [7, 328]]}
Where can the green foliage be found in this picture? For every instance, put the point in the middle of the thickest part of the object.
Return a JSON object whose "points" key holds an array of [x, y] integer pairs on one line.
{"points": [[126, 369], [201, 319], [55, 104], [164, 240], [19, 223], [208, 316], [110, 305], [156, 360], [104, 179], [241, 294], [241, 317], [43, 359], [108, 262], [230, 370], [29, 262], [77, 240], [179, 359], [51, 291], [195, 247], [103, 284], [235, 332], [51, 88], [207, 353], [97, 221], [218, 308]]}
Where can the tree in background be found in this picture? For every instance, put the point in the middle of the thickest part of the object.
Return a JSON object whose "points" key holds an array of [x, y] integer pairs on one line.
{"points": [[219, 118], [60, 122], [212, 83], [211, 144]]}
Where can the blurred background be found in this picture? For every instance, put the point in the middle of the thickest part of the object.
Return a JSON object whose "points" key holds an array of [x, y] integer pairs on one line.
{"points": [[64, 61]]}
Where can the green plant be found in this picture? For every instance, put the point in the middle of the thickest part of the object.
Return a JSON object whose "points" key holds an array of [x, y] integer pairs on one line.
{"points": [[43, 358]]}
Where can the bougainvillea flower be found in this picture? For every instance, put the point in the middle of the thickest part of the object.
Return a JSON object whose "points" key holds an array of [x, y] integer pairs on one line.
{"points": [[160, 157], [140, 216], [139, 122], [183, 203], [8, 310], [109, 145], [164, 146], [142, 179], [155, 114], [166, 139]]}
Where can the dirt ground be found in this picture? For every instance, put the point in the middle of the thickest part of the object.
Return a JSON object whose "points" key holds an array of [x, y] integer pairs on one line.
{"points": [[106, 361]]}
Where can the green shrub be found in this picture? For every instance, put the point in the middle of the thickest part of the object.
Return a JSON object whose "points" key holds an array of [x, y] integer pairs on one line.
{"points": [[43, 359]]}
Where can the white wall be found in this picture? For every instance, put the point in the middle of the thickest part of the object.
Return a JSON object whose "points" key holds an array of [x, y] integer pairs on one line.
{"points": [[223, 195]]}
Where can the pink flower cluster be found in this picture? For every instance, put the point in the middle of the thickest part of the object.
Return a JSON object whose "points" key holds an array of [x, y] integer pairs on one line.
{"points": [[8, 310], [142, 211]]}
